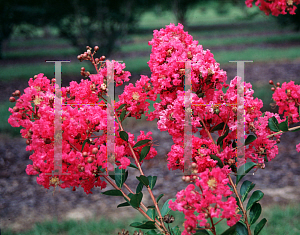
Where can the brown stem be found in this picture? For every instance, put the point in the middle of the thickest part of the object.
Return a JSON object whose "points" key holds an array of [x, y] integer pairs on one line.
{"points": [[280, 132], [213, 229], [142, 173]]}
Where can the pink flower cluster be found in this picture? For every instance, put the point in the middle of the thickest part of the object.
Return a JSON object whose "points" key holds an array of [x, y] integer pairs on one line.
{"points": [[81, 121], [276, 7]]}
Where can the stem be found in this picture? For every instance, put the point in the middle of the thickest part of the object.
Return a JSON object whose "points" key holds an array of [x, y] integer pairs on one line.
{"points": [[213, 229], [219, 221], [142, 173], [225, 125], [139, 209], [280, 132]]}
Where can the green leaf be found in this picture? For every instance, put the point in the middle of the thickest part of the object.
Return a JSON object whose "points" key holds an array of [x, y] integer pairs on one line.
{"points": [[218, 127], [175, 230], [143, 179], [220, 163], [130, 196], [230, 231], [246, 187], [144, 152], [165, 209], [151, 207], [123, 204], [121, 106], [159, 197], [260, 226], [122, 115], [113, 192], [241, 229], [120, 177], [123, 135], [151, 213], [112, 175], [146, 225], [250, 139], [133, 166], [139, 188], [140, 143], [201, 232], [136, 199], [151, 232], [284, 125], [255, 212], [243, 170], [152, 181], [221, 138], [255, 197], [273, 124], [83, 144]]}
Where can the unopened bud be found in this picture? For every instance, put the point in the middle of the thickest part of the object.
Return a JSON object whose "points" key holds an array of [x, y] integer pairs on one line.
{"points": [[16, 109], [47, 141], [12, 99], [95, 150], [271, 82], [90, 160], [85, 154], [96, 48]]}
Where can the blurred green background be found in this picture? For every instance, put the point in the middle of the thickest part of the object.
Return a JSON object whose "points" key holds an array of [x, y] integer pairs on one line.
{"points": [[35, 31]]}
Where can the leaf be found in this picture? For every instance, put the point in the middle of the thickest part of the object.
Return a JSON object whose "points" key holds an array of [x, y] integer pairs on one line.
{"points": [[221, 138], [122, 115], [175, 230], [144, 152], [250, 139], [140, 143], [152, 181], [151, 207], [220, 163], [284, 125], [243, 170], [133, 166], [159, 197], [83, 144], [151, 232], [165, 208], [260, 226], [113, 192], [255, 212], [139, 188], [151, 213], [123, 204], [273, 124], [218, 127], [121, 106], [255, 197], [136, 199], [230, 231], [123, 135], [120, 176], [201, 232], [241, 229], [143, 179], [146, 225], [234, 144], [112, 175], [130, 196], [246, 187], [298, 129]]}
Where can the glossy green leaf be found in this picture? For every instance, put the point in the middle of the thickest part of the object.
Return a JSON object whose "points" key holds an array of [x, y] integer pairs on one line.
{"points": [[140, 143], [221, 138], [255, 212], [136, 199], [121, 106], [284, 125], [151, 232], [123, 135], [243, 170], [241, 229], [123, 204], [146, 225], [246, 187], [130, 196], [122, 115], [113, 192], [260, 226], [255, 197], [139, 188], [218, 127], [230, 231], [133, 166], [220, 163], [165, 208], [201, 232], [83, 144], [250, 139], [175, 230], [159, 197], [273, 124], [151, 207], [151, 213], [152, 181], [143, 179], [120, 177], [144, 152]]}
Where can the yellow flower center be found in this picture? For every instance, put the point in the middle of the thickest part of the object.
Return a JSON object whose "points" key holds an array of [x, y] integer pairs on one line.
{"points": [[135, 96], [212, 183]]}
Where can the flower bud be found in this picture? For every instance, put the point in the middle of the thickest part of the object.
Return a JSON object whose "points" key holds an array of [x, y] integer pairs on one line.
{"points": [[53, 80], [102, 58], [187, 179], [183, 178], [271, 82], [189, 55], [194, 165], [90, 159], [273, 89], [278, 84], [17, 93], [28, 142], [96, 48], [95, 150], [207, 225], [47, 141], [97, 60], [79, 57], [85, 154], [16, 109], [12, 99]]}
